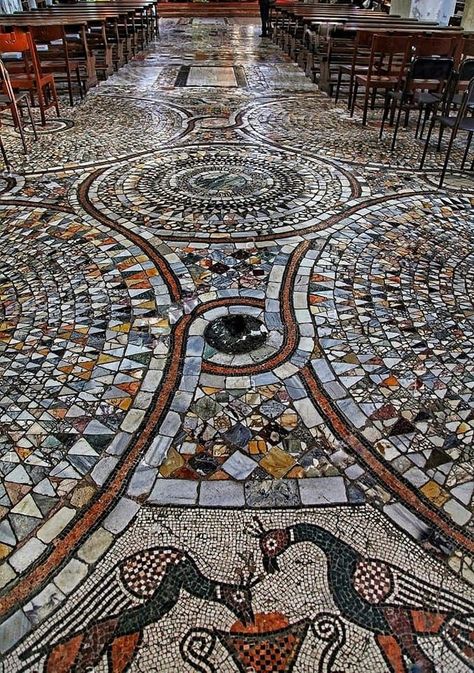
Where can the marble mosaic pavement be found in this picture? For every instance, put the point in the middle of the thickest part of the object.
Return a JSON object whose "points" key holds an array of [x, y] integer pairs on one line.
{"points": [[171, 503]]}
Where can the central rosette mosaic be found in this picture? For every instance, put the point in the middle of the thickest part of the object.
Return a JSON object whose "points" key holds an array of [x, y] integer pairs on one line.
{"points": [[227, 189]]}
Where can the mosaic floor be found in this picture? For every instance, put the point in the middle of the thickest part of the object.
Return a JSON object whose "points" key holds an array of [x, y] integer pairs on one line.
{"points": [[237, 380]]}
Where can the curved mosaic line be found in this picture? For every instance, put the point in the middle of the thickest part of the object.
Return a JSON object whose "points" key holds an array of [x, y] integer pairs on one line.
{"points": [[291, 332], [288, 125], [380, 471], [149, 124]]}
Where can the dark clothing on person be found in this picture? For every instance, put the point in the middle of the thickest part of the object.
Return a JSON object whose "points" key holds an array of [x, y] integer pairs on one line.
{"points": [[264, 15]]}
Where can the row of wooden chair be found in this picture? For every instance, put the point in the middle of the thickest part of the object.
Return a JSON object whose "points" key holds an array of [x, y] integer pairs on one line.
{"points": [[430, 72], [70, 46]]}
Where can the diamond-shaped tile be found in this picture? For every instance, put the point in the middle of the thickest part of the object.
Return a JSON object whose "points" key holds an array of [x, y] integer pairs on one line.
{"points": [[239, 465], [277, 462]]}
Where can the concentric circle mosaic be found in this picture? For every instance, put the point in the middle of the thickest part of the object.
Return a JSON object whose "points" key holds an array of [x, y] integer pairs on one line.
{"points": [[228, 190], [392, 300], [76, 329]]}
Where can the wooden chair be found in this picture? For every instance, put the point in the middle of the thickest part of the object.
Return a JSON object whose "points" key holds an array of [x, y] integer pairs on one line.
{"points": [[387, 63], [462, 121], [26, 74], [461, 81], [359, 64], [434, 45], [468, 46], [423, 88], [57, 59], [13, 102]]}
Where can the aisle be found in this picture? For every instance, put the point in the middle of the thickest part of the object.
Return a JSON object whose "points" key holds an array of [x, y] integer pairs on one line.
{"points": [[237, 380]]}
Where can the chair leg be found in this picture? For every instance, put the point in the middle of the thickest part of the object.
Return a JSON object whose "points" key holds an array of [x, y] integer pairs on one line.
{"points": [[386, 107], [418, 122], [366, 106], [407, 116], [426, 116], [448, 153], [32, 120], [338, 86], [428, 138], [69, 88], [440, 138], [354, 97], [55, 98], [79, 83], [21, 129], [41, 103], [372, 98], [397, 124], [392, 111], [4, 155], [350, 92], [466, 151], [18, 123]]}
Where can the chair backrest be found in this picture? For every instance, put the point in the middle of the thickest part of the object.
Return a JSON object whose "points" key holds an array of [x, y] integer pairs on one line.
{"points": [[22, 42], [389, 54], [466, 70], [468, 46], [431, 68], [362, 45], [470, 94], [14, 42], [466, 106], [434, 45], [44, 34], [55, 38]]}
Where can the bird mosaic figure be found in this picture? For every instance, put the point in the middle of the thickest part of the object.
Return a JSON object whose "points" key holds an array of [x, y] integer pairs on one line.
{"points": [[381, 598], [156, 576]]}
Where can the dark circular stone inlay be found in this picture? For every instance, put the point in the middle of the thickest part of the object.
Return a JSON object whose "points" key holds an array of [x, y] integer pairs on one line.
{"points": [[236, 334]]}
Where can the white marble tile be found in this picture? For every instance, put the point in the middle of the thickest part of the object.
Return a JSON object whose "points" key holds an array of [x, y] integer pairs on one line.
{"points": [[210, 76]]}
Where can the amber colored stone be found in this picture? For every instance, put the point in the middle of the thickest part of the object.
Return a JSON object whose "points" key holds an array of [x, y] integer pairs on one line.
{"points": [[435, 493], [173, 462], [277, 462], [81, 495]]}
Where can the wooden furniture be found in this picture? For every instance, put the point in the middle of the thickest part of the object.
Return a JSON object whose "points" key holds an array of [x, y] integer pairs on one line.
{"points": [[462, 121], [26, 74], [388, 58], [9, 100], [57, 58], [424, 86]]}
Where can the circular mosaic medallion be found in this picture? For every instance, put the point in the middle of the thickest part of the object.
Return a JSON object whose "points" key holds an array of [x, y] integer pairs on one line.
{"points": [[392, 300], [224, 190], [236, 334], [76, 340]]}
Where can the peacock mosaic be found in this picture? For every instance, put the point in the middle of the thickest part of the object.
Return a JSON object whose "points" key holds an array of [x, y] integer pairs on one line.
{"points": [[298, 592]]}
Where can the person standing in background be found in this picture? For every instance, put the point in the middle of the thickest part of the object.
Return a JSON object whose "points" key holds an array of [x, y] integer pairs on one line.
{"points": [[265, 15]]}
